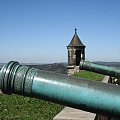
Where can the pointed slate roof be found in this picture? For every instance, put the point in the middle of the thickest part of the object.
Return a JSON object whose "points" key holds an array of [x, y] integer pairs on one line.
{"points": [[76, 42]]}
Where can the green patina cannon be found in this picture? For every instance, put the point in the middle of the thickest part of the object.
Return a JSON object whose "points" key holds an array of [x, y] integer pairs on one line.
{"points": [[102, 69], [92, 96]]}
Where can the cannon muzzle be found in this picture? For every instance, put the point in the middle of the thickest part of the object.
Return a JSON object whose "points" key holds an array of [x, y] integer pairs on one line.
{"points": [[102, 69], [92, 96]]}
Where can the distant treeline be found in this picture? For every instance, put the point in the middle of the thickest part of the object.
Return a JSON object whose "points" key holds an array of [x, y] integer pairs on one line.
{"points": [[55, 67]]}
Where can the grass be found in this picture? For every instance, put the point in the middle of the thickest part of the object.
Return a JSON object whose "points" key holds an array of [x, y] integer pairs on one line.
{"points": [[15, 107], [89, 75]]}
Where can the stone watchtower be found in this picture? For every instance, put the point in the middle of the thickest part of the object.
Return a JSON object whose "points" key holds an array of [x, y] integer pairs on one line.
{"points": [[76, 52]]}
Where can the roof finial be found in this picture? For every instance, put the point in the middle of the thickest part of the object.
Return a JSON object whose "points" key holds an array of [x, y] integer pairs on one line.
{"points": [[75, 31]]}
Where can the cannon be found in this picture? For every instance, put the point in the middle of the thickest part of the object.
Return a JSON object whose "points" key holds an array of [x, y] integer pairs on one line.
{"points": [[102, 69], [80, 93]]}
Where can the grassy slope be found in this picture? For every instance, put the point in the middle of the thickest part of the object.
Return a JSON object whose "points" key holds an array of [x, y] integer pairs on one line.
{"points": [[15, 107], [89, 75]]}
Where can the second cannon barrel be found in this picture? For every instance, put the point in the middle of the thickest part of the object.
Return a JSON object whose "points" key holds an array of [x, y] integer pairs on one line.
{"points": [[102, 69]]}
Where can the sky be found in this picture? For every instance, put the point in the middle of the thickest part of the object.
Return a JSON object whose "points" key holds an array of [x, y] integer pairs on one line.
{"points": [[38, 31]]}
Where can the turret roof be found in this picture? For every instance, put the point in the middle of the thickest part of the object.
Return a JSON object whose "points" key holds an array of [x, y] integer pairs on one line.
{"points": [[76, 42]]}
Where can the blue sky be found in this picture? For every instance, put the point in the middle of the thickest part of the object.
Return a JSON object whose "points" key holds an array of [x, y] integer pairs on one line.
{"points": [[38, 31]]}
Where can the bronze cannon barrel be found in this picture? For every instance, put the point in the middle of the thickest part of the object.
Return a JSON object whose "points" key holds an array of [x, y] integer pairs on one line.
{"points": [[92, 96], [102, 69]]}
